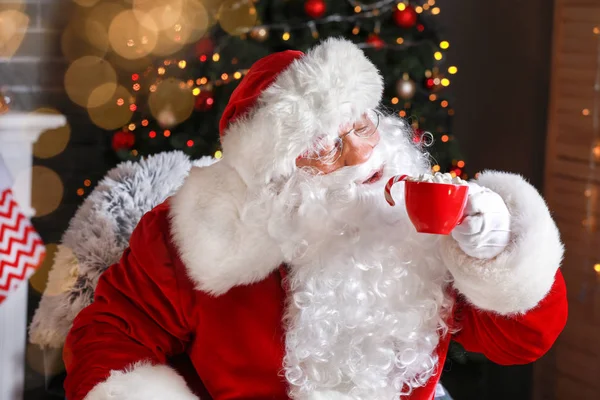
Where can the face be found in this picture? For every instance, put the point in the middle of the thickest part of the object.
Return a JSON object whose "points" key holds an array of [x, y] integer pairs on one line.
{"points": [[353, 147]]}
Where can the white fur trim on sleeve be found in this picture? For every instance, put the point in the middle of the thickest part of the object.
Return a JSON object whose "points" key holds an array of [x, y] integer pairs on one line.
{"points": [[220, 246], [519, 277], [142, 381]]}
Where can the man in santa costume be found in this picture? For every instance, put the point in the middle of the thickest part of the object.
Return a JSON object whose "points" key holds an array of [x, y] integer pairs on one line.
{"points": [[281, 272]]}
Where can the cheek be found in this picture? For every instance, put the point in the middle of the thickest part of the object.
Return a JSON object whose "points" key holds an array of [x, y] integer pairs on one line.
{"points": [[322, 168]]}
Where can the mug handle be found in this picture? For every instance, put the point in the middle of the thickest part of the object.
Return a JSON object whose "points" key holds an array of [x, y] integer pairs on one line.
{"points": [[388, 188]]}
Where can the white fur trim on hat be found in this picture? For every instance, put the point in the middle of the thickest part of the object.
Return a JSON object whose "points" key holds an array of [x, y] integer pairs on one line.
{"points": [[327, 87], [520, 277], [142, 381], [219, 246]]}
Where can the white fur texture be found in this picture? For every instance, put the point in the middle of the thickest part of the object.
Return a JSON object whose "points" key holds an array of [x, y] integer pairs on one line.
{"points": [[221, 245], [331, 84], [142, 381], [518, 278], [99, 233]]}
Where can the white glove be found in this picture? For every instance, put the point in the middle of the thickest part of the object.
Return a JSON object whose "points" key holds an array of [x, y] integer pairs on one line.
{"points": [[485, 230]]}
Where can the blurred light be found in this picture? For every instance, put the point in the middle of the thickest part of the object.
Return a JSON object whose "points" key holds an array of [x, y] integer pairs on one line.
{"points": [[355, 30], [234, 60], [52, 141], [152, 134], [596, 30], [132, 107], [445, 82], [437, 55], [237, 75], [432, 97], [399, 40], [203, 80], [198, 81], [132, 34], [87, 183], [357, 9], [596, 152], [452, 70], [182, 64], [216, 57], [86, 75], [164, 13], [110, 115], [427, 73], [444, 44], [173, 96], [136, 86], [401, 6], [46, 189], [135, 77], [218, 154], [210, 101], [445, 138], [161, 70], [431, 2], [435, 10], [425, 7], [395, 100], [450, 112], [460, 164], [435, 168], [80, 192], [285, 36], [152, 88], [196, 91], [453, 174], [134, 152], [224, 76], [190, 143], [585, 112], [203, 58], [419, 9], [597, 267], [444, 103], [131, 127], [420, 27], [402, 113], [436, 81], [167, 133], [120, 102], [236, 17], [144, 122]]}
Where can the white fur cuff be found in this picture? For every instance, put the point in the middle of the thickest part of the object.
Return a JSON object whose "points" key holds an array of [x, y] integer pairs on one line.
{"points": [[142, 381], [518, 278]]}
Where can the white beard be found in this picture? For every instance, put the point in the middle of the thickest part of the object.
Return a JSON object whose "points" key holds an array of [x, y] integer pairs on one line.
{"points": [[367, 298]]}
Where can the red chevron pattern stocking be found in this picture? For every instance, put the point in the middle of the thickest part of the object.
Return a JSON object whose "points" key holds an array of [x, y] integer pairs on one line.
{"points": [[21, 248]]}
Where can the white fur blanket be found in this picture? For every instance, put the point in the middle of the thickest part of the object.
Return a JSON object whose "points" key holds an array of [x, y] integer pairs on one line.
{"points": [[99, 233]]}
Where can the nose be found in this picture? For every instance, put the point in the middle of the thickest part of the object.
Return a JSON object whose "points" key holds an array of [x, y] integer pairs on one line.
{"points": [[358, 150]]}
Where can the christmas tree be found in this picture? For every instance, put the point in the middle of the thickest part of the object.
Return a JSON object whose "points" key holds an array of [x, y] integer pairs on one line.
{"points": [[169, 66]]}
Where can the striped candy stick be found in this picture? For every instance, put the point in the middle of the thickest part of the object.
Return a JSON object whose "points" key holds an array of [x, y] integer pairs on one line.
{"points": [[388, 188]]}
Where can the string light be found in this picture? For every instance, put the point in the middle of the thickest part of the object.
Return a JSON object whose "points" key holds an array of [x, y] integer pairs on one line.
{"points": [[357, 9], [432, 97], [224, 76], [435, 10], [444, 103], [216, 57], [445, 138], [190, 143], [597, 267], [218, 154], [399, 40], [237, 75], [401, 6], [132, 107], [135, 77], [460, 164], [418, 9], [203, 58], [585, 112], [182, 64], [134, 152], [444, 44], [402, 113], [286, 36], [596, 30], [145, 122], [196, 91], [436, 168], [120, 101], [395, 100], [445, 82], [355, 30], [87, 183], [152, 134], [437, 55], [167, 133], [431, 2], [136, 86], [161, 70], [425, 7], [131, 127], [80, 192], [452, 70]]}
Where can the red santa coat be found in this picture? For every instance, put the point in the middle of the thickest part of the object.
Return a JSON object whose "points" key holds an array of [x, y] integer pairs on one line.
{"points": [[147, 311]]}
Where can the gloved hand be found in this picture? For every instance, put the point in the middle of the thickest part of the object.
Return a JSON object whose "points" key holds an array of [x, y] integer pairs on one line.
{"points": [[485, 230]]}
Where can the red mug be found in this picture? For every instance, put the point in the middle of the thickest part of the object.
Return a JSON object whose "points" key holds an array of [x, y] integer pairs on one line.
{"points": [[432, 207]]}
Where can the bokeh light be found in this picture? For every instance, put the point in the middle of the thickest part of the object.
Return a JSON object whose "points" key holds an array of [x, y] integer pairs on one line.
{"points": [[113, 114], [131, 38], [237, 17], [87, 75], [157, 14], [46, 190], [52, 141], [13, 25], [174, 97], [40, 278]]}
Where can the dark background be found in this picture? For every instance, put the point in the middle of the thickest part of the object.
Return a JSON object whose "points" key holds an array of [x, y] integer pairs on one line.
{"points": [[502, 50]]}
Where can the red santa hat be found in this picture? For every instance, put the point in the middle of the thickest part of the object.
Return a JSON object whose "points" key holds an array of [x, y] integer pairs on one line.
{"points": [[289, 98]]}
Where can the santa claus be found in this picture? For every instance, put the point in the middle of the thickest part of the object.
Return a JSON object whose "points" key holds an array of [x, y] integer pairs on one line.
{"points": [[281, 272]]}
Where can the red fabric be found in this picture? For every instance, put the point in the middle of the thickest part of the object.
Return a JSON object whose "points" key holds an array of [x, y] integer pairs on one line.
{"points": [[146, 308], [260, 76]]}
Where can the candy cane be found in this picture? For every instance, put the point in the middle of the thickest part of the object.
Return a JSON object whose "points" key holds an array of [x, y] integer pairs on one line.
{"points": [[388, 188]]}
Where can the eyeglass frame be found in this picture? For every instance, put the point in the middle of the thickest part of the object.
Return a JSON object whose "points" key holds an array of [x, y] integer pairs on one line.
{"points": [[340, 140]]}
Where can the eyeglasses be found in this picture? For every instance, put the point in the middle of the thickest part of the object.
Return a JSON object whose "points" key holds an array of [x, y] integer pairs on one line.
{"points": [[329, 153]]}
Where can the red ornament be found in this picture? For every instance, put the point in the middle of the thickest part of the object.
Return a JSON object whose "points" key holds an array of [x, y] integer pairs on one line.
{"points": [[123, 140], [204, 47], [406, 18], [204, 101], [315, 8], [375, 41]]}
